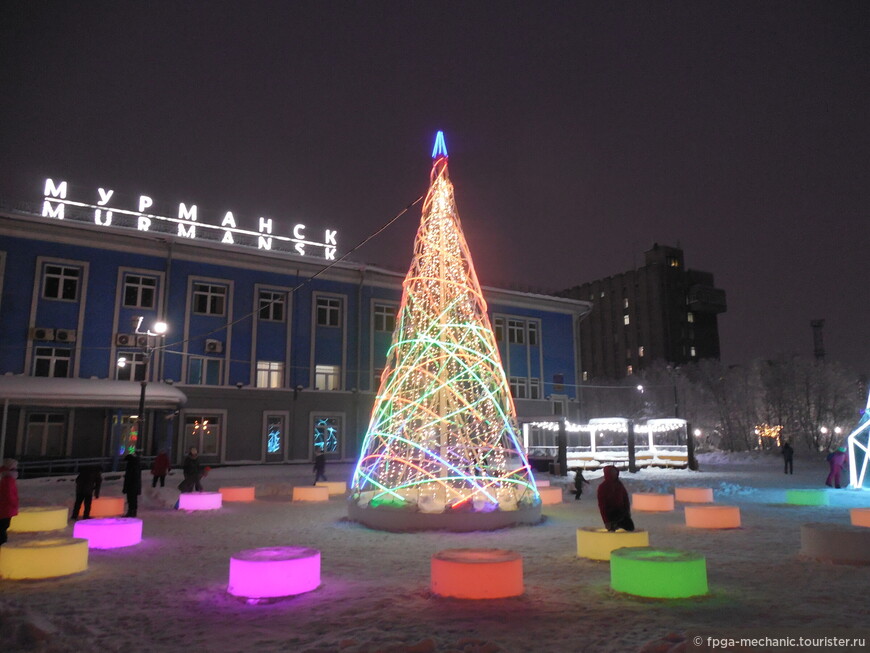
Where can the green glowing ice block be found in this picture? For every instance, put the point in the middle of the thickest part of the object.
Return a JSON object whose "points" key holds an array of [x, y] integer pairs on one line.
{"points": [[658, 573]]}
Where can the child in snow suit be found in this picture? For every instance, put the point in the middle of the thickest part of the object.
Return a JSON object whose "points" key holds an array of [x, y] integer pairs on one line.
{"points": [[579, 482]]}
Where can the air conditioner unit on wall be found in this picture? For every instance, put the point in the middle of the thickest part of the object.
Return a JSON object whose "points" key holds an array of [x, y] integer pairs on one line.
{"points": [[214, 346], [65, 335], [141, 341], [125, 340], [41, 333]]}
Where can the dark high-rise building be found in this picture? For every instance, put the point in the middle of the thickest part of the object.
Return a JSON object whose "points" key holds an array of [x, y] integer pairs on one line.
{"points": [[658, 312]]}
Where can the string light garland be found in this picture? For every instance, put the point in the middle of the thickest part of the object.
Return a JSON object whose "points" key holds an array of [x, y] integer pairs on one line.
{"points": [[443, 432]]}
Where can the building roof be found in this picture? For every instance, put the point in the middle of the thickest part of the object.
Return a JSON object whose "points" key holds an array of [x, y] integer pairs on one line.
{"points": [[78, 393]]}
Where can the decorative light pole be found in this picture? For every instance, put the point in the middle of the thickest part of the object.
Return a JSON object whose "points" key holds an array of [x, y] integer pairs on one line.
{"points": [[159, 330]]}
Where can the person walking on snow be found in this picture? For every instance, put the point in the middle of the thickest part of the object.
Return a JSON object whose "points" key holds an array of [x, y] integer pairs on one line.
{"points": [[159, 468], [837, 460], [88, 484], [132, 483], [192, 472], [8, 495], [319, 467], [579, 482], [613, 502], [788, 457]]}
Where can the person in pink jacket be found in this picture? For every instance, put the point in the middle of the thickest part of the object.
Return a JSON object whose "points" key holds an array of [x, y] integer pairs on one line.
{"points": [[836, 460], [8, 495]]}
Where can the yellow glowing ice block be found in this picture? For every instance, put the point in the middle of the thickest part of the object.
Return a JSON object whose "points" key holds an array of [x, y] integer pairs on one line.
{"points": [[41, 518], [310, 493], [694, 494], [597, 543], [334, 487], [49, 558]]}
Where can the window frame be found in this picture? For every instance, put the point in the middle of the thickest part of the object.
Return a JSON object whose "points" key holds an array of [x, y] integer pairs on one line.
{"points": [[140, 289], [136, 362], [203, 415], [271, 370], [61, 277], [321, 371], [276, 301], [382, 316], [53, 358], [313, 418], [329, 311], [204, 372], [210, 291]]}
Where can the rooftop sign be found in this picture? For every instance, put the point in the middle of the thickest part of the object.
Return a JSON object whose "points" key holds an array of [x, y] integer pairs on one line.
{"points": [[185, 225]]}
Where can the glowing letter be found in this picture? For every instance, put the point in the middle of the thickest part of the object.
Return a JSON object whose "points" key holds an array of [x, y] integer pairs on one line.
{"points": [[55, 191], [186, 232], [300, 247], [185, 213], [52, 212], [264, 243], [229, 220], [104, 196], [297, 231], [144, 224], [99, 220], [228, 237], [266, 225], [329, 238], [329, 254], [144, 202]]}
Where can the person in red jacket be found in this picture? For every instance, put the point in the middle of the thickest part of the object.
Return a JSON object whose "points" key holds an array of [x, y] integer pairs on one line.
{"points": [[613, 501], [159, 468], [8, 495]]}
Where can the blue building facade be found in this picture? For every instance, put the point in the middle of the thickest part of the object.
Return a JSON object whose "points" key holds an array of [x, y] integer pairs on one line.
{"points": [[261, 362]]}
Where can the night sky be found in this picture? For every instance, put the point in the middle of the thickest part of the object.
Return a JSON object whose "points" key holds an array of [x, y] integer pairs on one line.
{"points": [[579, 134]]}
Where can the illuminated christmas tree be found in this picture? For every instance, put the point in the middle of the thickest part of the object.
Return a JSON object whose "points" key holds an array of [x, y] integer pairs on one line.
{"points": [[443, 436], [859, 450]]}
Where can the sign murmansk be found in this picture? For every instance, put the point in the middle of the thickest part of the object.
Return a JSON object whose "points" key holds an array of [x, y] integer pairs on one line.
{"points": [[186, 225]]}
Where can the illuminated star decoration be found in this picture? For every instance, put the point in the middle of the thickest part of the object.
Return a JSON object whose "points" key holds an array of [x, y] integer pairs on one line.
{"points": [[443, 432], [859, 448]]}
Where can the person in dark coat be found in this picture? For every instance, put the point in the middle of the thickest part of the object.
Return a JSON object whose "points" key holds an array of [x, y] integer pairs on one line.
{"points": [[613, 503], [836, 460], [88, 484], [159, 469], [788, 457], [192, 472], [319, 467], [132, 483], [8, 495], [579, 482]]}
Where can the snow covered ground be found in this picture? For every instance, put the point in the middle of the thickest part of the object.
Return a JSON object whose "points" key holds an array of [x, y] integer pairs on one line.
{"points": [[169, 593]]}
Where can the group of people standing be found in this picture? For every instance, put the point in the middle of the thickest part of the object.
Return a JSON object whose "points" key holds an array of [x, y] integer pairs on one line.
{"points": [[837, 461]]}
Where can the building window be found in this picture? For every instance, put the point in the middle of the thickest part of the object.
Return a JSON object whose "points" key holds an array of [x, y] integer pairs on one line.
{"points": [[204, 371], [52, 361], [625, 302], [558, 382], [328, 311], [134, 366], [640, 351], [274, 434], [534, 388], [209, 299], [204, 433], [585, 375], [270, 374], [626, 319], [673, 262], [690, 317], [327, 434], [327, 377], [629, 370], [499, 329], [271, 306], [385, 317], [516, 332], [628, 354], [139, 291], [518, 387], [45, 434], [61, 282], [692, 352], [533, 334]]}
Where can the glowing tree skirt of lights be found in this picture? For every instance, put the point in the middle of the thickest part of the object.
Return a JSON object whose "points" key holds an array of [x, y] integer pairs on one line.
{"points": [[859, 450], [441, 450]]}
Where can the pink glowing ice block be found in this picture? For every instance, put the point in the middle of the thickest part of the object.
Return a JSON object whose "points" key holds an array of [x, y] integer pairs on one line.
{"points": [[273, 572], [109, 533], [200, 501]]}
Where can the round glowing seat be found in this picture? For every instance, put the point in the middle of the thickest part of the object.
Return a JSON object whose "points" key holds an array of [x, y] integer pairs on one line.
{"points": [[597, 543], [50, 558], [836, 543], [694, 494], [712, 516], [542, 482], [200, 501], [477, 573], [105, 507], [806, 497], [274, 572], [34, 520], [109, 533], [651, 502], [550, 495], [241, 494], [658, 573], [338, 488], [310, 493], [860, 516]]}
